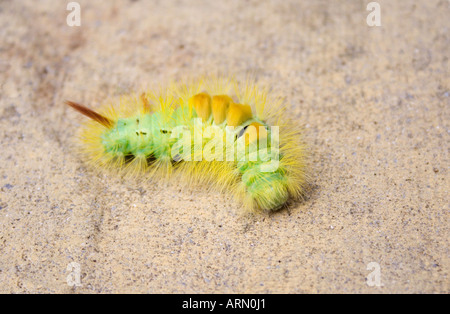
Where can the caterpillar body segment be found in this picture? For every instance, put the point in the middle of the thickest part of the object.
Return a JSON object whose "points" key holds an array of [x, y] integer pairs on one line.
{"points": [[203, 134]]}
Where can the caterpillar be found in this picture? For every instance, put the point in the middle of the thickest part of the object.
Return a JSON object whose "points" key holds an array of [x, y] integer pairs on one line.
{"points": [[219, 133]]}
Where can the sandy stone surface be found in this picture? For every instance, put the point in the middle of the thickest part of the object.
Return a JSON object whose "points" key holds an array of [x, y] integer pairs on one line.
{"points": [[374, 102]]}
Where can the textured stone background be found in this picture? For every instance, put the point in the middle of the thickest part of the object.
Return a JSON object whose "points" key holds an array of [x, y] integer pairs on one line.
{"points": [[374, 102]]}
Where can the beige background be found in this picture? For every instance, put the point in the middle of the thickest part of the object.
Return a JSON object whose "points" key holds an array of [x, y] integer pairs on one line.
{"points": [[374, 102]]}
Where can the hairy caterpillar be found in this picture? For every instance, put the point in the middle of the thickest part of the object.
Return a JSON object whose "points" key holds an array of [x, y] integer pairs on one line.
{"points": [[217, 132]]}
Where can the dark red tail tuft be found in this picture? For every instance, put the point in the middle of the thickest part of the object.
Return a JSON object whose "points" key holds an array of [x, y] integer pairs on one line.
{"points": [[91, 114]]}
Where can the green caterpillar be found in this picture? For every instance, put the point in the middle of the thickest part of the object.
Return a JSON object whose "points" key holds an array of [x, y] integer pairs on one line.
{"points": [[200, 134]]}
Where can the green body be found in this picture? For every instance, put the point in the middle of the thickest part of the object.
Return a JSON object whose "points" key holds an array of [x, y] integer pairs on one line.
{"points": [[152, 136]]}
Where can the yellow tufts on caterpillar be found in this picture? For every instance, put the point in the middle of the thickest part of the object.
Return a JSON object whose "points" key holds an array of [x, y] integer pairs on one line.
{"points": [[238, 114], [202, 104], [254, 132], [220, 105]]}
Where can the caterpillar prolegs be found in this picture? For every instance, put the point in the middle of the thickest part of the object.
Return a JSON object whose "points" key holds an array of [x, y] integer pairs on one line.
{"points": [[218, 133]]}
